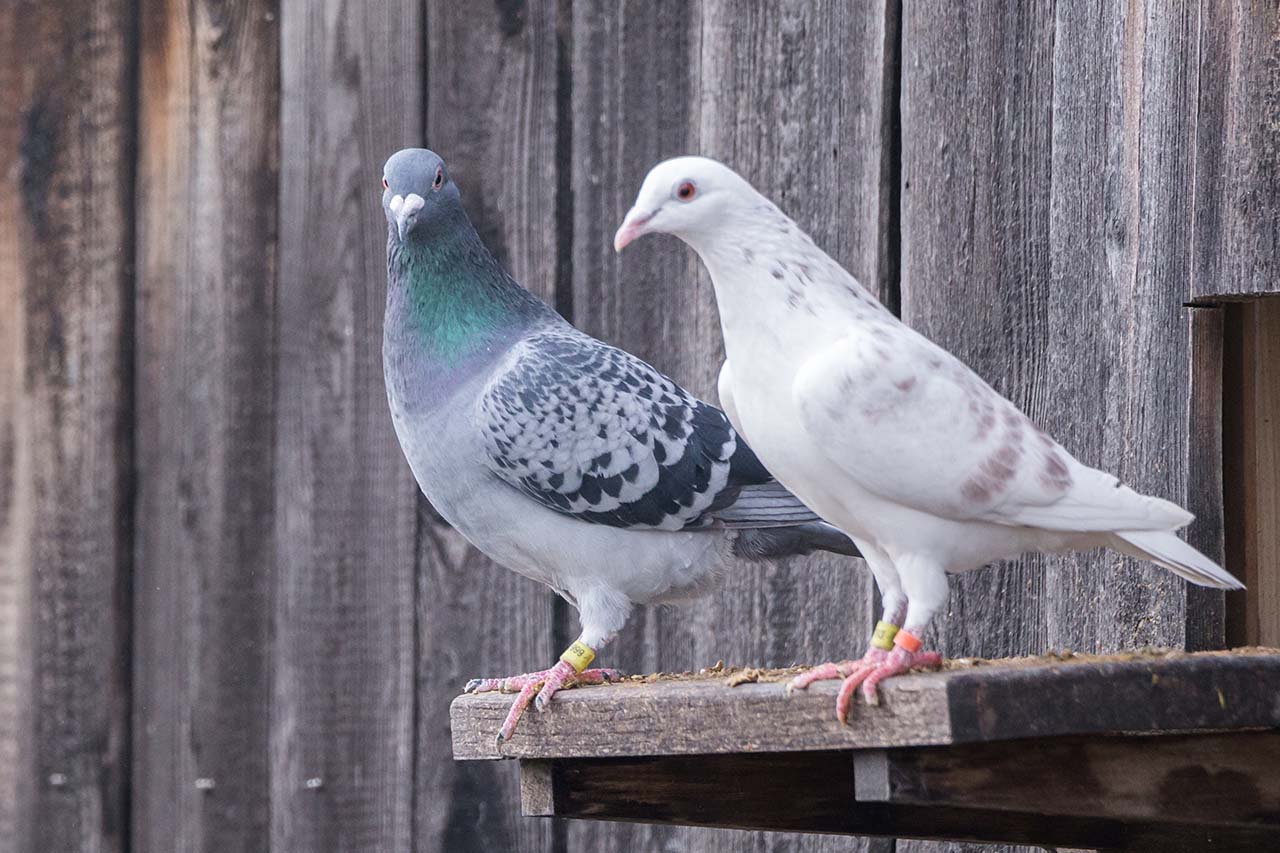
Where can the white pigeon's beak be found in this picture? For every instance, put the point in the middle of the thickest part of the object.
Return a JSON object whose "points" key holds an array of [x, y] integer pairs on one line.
{"points": [[405, 209], [633, 226]]}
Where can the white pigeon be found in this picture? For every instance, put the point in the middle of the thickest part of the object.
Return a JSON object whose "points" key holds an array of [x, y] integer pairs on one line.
{"points": [[880, 431]]}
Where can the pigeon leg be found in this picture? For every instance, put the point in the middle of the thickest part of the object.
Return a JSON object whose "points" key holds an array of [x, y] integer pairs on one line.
{"points": [[854, 673], [569, 671], [926, 588], [906, 655]]}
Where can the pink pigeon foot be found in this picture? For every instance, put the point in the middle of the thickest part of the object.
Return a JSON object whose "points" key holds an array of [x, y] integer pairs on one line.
{"points": [[852, 672], [543, 684], [896, 662]]}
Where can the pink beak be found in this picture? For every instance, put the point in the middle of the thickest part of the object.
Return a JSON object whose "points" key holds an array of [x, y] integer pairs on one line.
{"points": [[631, 228]]}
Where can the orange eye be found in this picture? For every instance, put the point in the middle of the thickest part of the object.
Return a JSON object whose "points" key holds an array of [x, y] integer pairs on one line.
{"points": [[385, 185], [686, 191], [439, 181]]}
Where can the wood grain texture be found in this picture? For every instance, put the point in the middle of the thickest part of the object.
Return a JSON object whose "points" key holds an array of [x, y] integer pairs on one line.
{"points": [[752, 84], [813, 791], [1223, 780], [343, 697], [1237, 150], [207, 179], [994, 702], [492, 74], [66, 161], [1120, 243], [1253, 466]]}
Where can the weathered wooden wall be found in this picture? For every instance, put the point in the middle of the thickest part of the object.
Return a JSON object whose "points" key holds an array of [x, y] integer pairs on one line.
{"points": [[227, 622]]}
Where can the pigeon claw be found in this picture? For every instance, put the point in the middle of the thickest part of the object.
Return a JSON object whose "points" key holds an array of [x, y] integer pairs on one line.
{"points": [[898, 661], [821, 672], [844, 698], [537, 688]]}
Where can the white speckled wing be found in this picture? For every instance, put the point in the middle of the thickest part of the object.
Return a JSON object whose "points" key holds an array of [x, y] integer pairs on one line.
{"points": [[911, 423]]}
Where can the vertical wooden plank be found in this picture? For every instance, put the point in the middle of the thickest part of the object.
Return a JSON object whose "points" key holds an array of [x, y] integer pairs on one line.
{"points": [[207, 179], [492, 77], [794, 98], [1254, 467], [341, 729], [1045, 235], [1120, 237], [976, 124], [1237, 150], [66, 161]]}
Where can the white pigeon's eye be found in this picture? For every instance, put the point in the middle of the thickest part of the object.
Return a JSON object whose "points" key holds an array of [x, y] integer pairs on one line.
{"points": [[686, 191], [439, 181], [385, 185]]}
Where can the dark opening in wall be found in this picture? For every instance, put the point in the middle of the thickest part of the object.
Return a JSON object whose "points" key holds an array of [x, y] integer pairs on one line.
{"points": [[1251, 468]]}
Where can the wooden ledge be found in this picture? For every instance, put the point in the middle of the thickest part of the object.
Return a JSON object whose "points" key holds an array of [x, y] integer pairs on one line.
{"points": [[1138, 752], [997, 701]]}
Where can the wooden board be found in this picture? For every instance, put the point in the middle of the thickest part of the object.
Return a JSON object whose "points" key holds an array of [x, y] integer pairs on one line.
{"points": [[1253, 466], [1237, 150], [995, 702], [492, 75], [1208, 780], [1120, 386], [815, 792], [791, 95], [343, 688], [66, 249], [206, 291]]}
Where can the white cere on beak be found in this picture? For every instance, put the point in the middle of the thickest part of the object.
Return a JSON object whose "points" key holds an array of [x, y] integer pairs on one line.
{"points": [[404, 209]]}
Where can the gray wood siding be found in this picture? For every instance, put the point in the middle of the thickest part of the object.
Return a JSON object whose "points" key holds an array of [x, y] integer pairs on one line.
{"points": [[228, 619]]}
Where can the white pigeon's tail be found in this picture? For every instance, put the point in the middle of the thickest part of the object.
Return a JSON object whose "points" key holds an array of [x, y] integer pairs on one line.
{"points": [[1166, 550]]}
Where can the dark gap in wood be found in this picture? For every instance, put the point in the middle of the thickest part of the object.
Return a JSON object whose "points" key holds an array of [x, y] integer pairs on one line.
{"points": [[126, 435], [563, 294], [564, 160], [1233, 469], [1205, 608], [424, 512], [891, 165], [425, 47]]}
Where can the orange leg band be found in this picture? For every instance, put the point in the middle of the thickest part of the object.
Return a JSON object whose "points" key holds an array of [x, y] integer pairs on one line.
{"points": [[907, 641]]}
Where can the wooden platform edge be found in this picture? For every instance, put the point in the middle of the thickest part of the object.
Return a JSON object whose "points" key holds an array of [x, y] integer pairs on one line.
{"points": [[1144, 693], [814, 792]]}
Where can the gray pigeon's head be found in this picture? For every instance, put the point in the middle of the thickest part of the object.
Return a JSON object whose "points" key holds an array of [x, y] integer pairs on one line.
{"points": [[419, 199]]}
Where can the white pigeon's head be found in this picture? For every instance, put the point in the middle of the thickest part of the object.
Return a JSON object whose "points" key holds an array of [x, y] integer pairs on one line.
{"points": [[688, 197]]}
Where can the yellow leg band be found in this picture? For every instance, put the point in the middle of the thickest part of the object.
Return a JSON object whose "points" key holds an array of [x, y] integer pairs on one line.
{"points": [[579, 655], [882, 637]]}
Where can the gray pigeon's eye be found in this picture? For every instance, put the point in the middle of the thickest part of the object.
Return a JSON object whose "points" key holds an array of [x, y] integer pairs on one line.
{"points": [[686, 191], [385, 185], [439, 181]]}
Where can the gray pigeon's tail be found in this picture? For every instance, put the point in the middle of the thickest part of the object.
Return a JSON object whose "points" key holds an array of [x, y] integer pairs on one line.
{"points": [[763, 543]]}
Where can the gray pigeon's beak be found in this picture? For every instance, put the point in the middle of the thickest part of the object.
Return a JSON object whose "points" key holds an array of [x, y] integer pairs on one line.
{"points": [[405, 209], [633, 226]]}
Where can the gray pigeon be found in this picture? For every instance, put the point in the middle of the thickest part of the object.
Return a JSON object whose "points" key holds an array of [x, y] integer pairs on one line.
{"points": [[567, 460]]}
